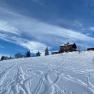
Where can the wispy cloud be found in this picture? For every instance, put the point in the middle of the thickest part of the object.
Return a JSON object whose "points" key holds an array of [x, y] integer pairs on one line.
{"points": [[28, 44], [40, 2], [34, 34], [91, 28], [34, 46], [7, 28]]}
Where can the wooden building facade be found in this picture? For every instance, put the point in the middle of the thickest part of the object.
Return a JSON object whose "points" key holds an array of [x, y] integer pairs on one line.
{"points": [[68, 48]]}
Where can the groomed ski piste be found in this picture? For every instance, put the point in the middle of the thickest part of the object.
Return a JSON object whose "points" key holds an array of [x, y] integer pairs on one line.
{"points": [[67, 73]]}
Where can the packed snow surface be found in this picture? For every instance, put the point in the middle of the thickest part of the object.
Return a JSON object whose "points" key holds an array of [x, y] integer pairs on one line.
{"points": [[67, 73]]}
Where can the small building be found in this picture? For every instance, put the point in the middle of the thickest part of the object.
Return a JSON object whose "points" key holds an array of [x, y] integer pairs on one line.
{"points": [[90, 49], [68, 48]]}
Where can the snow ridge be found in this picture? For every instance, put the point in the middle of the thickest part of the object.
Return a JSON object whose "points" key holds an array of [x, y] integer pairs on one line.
{"points": [[70, 73]]}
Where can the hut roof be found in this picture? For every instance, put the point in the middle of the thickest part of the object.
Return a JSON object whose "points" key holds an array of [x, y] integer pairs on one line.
{"points": [[67, 44]]}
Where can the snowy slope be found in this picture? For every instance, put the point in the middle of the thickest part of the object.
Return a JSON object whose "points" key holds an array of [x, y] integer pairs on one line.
{"points": [[68, 73]]}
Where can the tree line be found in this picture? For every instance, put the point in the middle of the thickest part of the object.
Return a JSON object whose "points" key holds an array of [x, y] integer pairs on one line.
{"points": [[27, 54]]}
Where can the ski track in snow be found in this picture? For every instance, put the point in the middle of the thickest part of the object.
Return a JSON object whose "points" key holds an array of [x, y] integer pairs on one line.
{"points": [[42, 78]]}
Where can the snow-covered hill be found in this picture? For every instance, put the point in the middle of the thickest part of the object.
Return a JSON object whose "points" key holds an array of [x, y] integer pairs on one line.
{"points": [[68, 73]]}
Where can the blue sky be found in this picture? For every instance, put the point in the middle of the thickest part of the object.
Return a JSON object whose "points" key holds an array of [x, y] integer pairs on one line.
{"points": [[37, 24]]}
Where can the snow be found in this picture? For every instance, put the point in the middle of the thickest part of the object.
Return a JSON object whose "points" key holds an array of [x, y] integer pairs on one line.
{"points": [[67, 73]]}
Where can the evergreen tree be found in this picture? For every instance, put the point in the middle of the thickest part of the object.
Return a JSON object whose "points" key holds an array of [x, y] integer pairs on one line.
{"points": [[46, 51], [38, 53], [28, 54], [3, 57]]}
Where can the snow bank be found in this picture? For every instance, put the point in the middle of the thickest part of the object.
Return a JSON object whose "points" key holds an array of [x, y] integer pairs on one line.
{"points": [[67, 73]]}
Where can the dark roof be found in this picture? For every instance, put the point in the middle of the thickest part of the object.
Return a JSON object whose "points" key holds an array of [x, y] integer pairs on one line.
{"points": [[68, 45], [90, 48]]}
